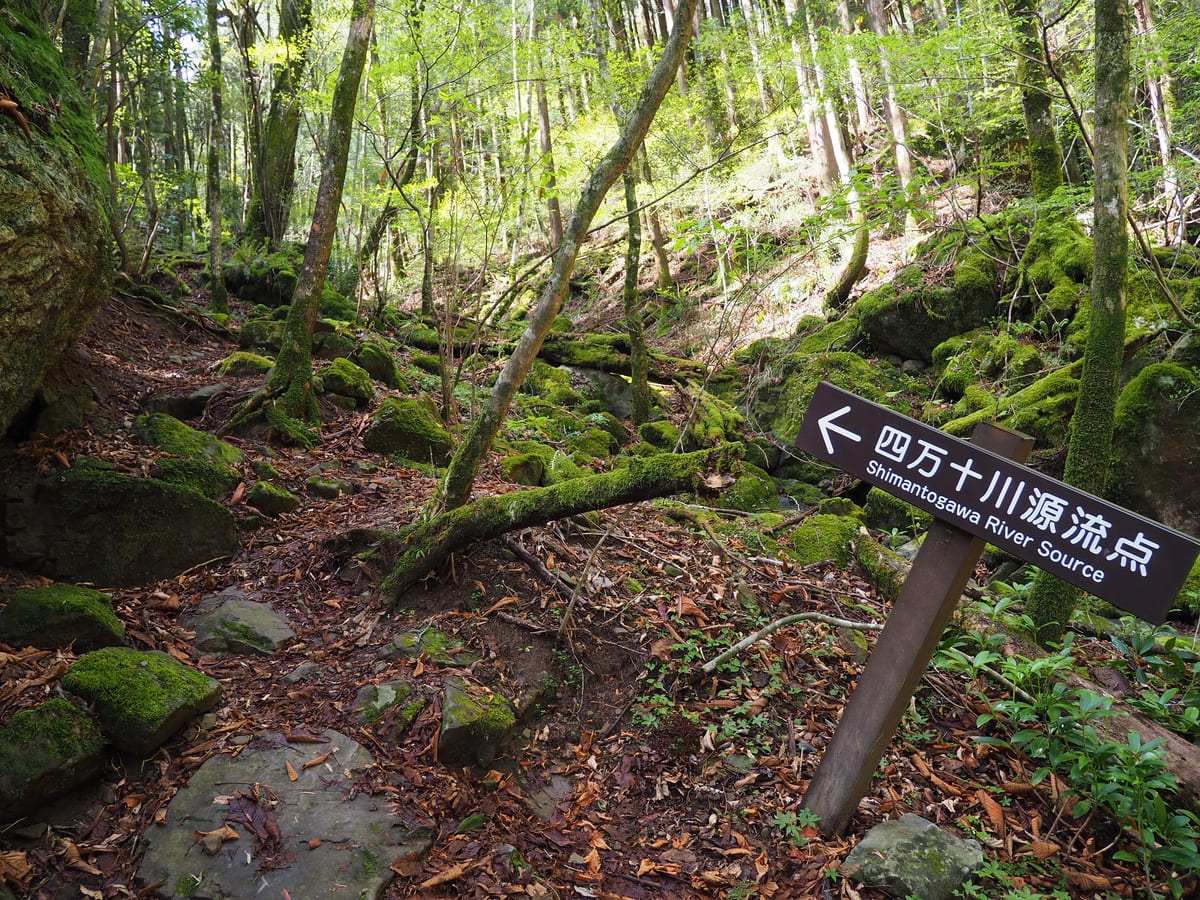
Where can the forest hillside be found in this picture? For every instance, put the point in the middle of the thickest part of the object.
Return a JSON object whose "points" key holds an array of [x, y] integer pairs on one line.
{"points": [[400, 481]]}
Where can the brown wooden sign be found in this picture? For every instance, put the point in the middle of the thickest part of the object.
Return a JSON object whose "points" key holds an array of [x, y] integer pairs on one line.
{"points": [[1134, 563]]}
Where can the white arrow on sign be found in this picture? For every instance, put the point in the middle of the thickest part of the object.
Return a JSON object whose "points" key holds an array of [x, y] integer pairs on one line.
{"points": [[826, 426]]}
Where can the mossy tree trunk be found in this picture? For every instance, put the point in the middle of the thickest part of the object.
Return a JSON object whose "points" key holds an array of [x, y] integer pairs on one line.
{"points": [[427, 545], [1045, 158], [1052, 601], [287, 395], [632, 303], [275, 168], [455, 488], [220, 298]]}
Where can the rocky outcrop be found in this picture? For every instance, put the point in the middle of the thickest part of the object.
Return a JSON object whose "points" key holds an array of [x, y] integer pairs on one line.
{"points": [[55, 261]]}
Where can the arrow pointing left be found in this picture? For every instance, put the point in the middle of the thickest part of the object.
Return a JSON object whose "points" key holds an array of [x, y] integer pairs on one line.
{"points": [[826, 426]]}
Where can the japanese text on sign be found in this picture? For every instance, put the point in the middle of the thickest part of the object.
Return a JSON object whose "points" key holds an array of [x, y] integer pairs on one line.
{"points": [[1109, 551]]}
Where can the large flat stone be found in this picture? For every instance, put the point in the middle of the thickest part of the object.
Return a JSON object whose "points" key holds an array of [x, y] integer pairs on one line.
{"points": [[331, 841]]}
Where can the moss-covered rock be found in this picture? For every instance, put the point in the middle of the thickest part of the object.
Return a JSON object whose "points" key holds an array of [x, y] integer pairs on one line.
{"points": [[406, 427], [91, 523], [169, 434], [244, 364], [432, 644], [141, 697], [824, 538], [45, 752], [332, 344], [1155, 469], [230, 622], [475, 724], [335, 306], [379, 362], [261, 334], [344, 378], [559, 468], [270, 499], [754, 490], [206, 479], [427, 362], [1042, 410], [984, 354], [661, 434], [525, 468], [887, 513], [392, 701], [60, 615], [264, 278], [56, 265]]}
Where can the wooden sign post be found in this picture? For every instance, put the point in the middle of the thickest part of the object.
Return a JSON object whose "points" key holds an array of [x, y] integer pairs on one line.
{"points": [[979, 492]]}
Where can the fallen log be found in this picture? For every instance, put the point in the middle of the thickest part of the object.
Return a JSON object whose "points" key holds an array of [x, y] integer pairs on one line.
{"points": [[425, 546]]}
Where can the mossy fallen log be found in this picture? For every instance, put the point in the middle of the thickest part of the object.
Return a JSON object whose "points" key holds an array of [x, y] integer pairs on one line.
{"points": [[426, 546]]}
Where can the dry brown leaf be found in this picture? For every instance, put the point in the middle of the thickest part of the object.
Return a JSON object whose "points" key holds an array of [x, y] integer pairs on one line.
{"points": [[1044, 849], [994, 812], [291, 772], [71, 855], [14, 867], [1088, 882], [317, 760], [455, 872]]}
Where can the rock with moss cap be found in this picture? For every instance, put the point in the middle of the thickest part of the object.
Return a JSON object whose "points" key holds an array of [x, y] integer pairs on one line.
{"points": [[380, 364], [206, 479], [60, 615], [407, 428], [244, 364], [142, 698], [261, 334], [475, 724], [92, 523], [44, 753], [271, 499], [754, 490], [230, 622], [345, 379], [912, 857], [179, 439], [824, 538], [432, 644]]}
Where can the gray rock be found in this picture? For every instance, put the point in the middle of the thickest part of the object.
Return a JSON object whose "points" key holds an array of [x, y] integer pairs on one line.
{"points": [[44, 752], [228, 622], [433, 644], [141, 698], [271, 499], [912, 857], [611, 390], [92, 523], [475, 724], [186, 406], [59, 615], [302, 672], [331, 839], [63, 409], [374, 701]]}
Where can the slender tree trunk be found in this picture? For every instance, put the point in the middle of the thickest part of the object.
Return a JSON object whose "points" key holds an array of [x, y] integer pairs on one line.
{"points": [[658, 244], [1161, 94], [1045, 157], [220, 299], [549, 179], [1052, 601], [455, 488], [288, 389]]}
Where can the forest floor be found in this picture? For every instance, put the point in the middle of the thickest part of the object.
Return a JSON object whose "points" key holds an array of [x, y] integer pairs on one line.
{"points": [[643, 779]]}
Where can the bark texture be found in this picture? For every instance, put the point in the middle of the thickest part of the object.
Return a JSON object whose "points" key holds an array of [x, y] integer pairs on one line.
{"points": [[1045, 158], [55, 261], [1051, 601], [426, 546]]}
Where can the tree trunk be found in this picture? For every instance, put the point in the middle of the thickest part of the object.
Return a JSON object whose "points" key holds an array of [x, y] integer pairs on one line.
{"points": [[1052, 601], [220, 298], [426, 546], [287, 393], [549, 179], [1045, 158], [455, 488], [1161, 94], [275, 167], [657, 243], [632, 305]]}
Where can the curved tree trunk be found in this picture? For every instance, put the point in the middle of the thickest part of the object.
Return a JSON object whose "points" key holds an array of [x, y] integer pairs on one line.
{"points": [[425, 546], [455, 488], [1052, 601]]}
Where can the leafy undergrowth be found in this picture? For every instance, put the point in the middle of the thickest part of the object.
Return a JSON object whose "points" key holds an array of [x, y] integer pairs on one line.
{"points": [[645, 777]]}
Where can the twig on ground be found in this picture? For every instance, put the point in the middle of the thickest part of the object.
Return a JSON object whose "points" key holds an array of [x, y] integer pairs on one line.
{"points": [[767, 630]]}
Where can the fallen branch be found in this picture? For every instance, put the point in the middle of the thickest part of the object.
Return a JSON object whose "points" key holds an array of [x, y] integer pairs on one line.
{"points": [[426, 546], [767, 630]]}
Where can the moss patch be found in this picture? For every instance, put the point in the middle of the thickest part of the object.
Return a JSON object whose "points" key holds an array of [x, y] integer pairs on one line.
{"points": [[169, 434], [346, 379], [59, 614], [406, 427], [824, 538], [244, 364]]}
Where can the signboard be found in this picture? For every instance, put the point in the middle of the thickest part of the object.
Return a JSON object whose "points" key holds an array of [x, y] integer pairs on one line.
{"points": [[1134, 563]]}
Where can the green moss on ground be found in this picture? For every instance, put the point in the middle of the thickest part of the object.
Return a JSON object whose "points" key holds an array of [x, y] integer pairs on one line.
{"points": [[823, 538]]}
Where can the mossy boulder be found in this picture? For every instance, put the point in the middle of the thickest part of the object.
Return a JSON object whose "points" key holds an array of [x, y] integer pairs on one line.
{"points": [[432, 644], [230, 622], [206, 479], [559, 468], [335, 306], [824, 538], [179, 439], [60, 615], [754, 490], [91, 523], [264, 278], [1155, 469], [661, 434], [142, 698], [56, 265], [344, 378], [528, 467], [984, 354], [270, 499], [44, 753], [244, 364], [1042, 410], [888, 513], [332, 344], [476, 723], [391, 702], [407, 428], [379, 362], [261, 334]]}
